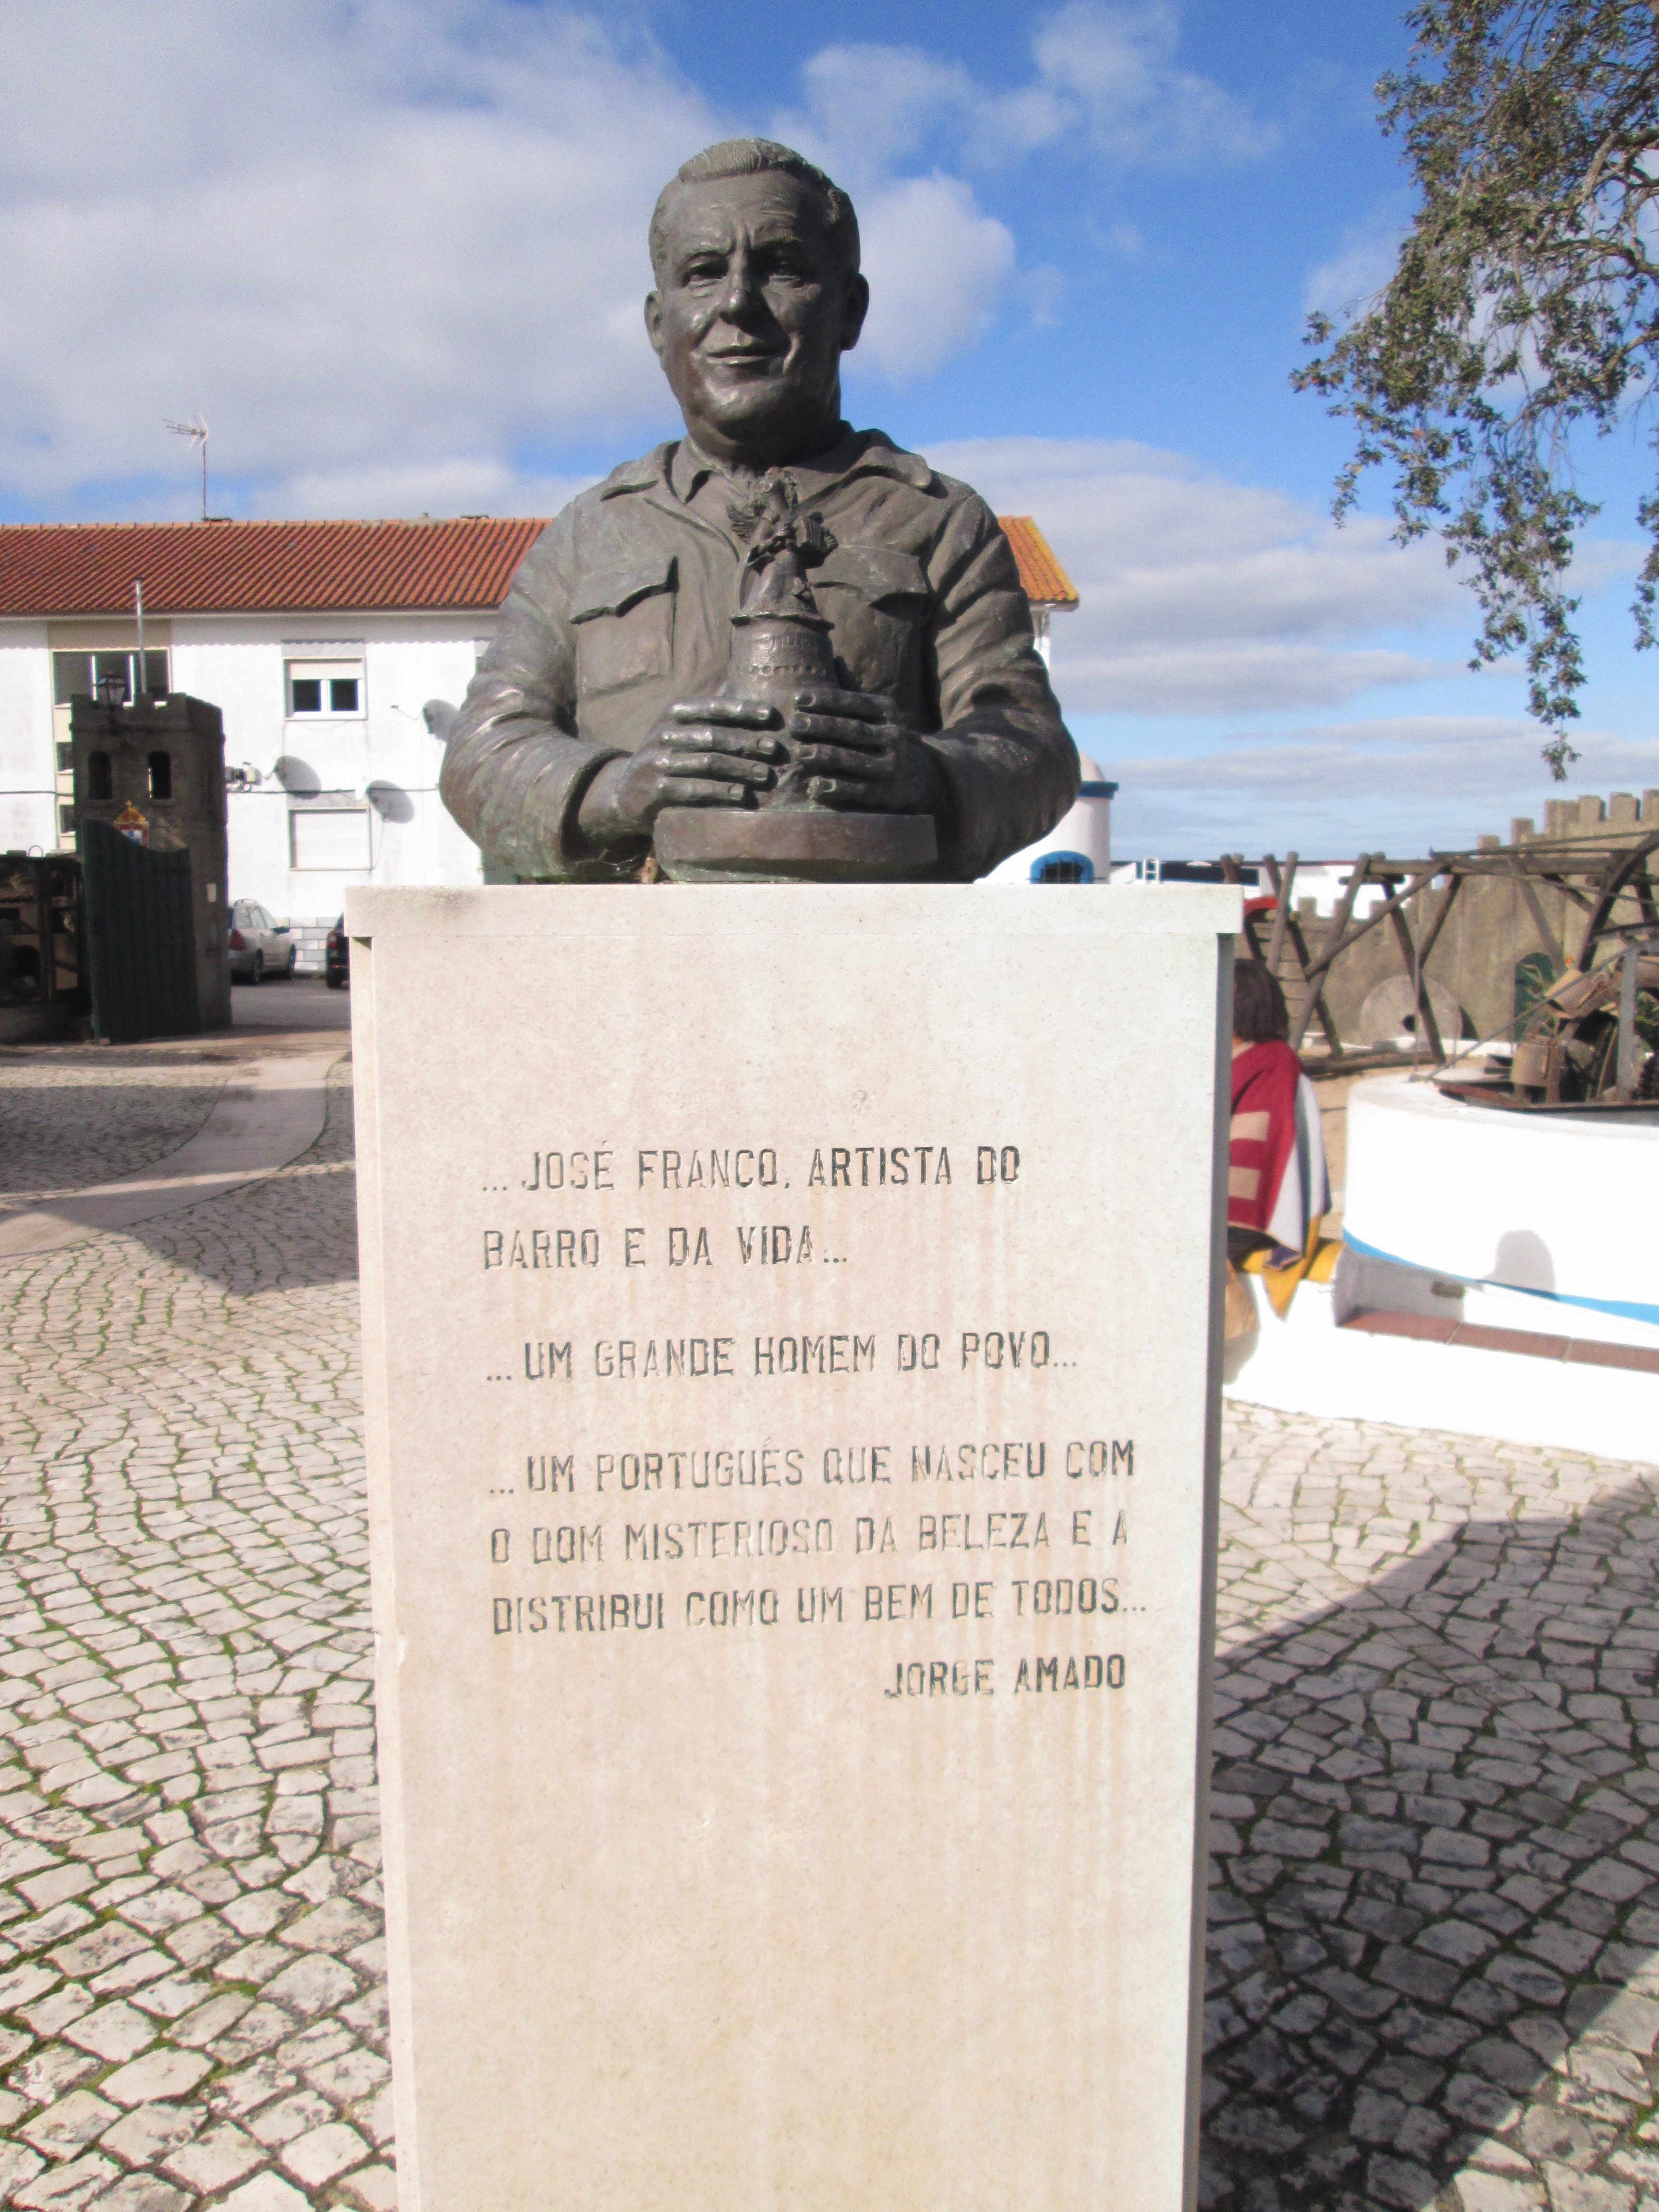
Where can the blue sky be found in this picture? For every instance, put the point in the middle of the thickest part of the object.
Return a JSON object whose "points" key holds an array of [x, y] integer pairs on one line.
{"points": [[394, 250]]}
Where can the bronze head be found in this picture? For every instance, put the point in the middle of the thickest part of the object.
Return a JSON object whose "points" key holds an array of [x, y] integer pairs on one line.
{"points": [[759, 294]]}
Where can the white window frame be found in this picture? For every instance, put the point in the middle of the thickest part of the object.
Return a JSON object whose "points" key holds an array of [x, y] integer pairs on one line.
{"points": [[325, 665], [128, 656], [331, 805]]}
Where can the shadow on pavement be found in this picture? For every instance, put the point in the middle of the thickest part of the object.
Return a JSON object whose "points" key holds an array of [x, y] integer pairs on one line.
{"points": [[1432, 1944], [61, 1136], [295, 1229]]}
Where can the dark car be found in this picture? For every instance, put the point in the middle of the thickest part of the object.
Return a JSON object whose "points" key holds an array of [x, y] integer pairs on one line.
{"points": [[260, 946], [336, 958]]}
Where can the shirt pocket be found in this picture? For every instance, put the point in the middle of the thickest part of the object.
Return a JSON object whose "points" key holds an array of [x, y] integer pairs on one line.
{"points": [[876, 600], [624, 621]]}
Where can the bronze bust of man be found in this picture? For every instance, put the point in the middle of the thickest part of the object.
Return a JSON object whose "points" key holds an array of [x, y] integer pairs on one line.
{"points": [[775, 611]]}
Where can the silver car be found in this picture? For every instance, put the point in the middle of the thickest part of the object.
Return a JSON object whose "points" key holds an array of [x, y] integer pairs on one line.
{"points": [[260, 946]]}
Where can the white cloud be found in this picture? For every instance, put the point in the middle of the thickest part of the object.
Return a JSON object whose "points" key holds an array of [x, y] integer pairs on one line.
{"points": [[937, 268], [387, 247], [1042, 289], [1201, 596], [1105, 75], [1598, 562], [1238, 676], [385, 242], [1347, 283], [1402, 785], [870, 108], [483, 486], [1462, 755], [1221, 623], [1114, 69]]}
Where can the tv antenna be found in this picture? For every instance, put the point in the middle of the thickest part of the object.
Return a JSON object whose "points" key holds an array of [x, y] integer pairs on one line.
{"points": [[197, 431]]}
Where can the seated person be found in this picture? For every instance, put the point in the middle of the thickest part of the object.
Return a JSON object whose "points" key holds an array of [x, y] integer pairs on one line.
{"points": [[1277, 1189]]}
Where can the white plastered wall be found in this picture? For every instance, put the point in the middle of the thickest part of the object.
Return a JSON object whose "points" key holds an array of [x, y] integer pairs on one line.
{"points": [[237, 662], [28, 804]]}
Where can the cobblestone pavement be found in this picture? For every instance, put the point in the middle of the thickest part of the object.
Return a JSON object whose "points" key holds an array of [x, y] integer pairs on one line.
{"points": [[64, 1123], [191, 1980], [1434, 1964], [1432, 1939]]}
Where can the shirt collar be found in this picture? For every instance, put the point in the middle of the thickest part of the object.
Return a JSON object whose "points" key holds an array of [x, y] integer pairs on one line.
{"points": [[687, 468]]}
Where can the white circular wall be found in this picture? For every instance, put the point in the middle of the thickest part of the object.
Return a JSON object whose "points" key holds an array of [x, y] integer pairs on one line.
{"points": [[1564, 1204]]}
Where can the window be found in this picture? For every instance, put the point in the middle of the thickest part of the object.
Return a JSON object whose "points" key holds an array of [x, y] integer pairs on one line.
{"points": [[160, 775], [332, 837], [78, 675], [324, 687], [1063, 868], [100, 787], [65, 821], [111, 672], [66, 757]]}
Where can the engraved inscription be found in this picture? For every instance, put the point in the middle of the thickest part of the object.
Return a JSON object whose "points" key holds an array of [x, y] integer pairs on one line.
{"points": [[801, 1529]]}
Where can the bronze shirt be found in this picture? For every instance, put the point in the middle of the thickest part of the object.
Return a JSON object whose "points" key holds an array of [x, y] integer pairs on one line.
{"points": [[623, 605]]}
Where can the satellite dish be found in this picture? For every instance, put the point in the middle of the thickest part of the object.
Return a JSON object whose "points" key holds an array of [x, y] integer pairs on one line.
{"points": [[389, 801]]}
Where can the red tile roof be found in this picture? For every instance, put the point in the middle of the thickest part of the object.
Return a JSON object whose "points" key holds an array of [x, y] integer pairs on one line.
{"points": [[259, 567], [1046, 583], [315, 568]]}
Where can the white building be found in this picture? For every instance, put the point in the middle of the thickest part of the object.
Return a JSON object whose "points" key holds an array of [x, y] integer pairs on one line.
{"points": [[320, 643]]}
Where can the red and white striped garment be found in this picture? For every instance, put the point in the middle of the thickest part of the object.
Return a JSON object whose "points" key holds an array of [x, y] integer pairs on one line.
{"points": [[1276, 1179]]}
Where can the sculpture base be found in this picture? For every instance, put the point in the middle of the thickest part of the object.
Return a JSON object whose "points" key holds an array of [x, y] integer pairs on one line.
{"points": [[693, 1765], [727, 845]]}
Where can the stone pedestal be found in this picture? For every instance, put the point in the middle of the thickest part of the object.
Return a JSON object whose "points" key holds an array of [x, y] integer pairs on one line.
{"points": [[791, 1329]]}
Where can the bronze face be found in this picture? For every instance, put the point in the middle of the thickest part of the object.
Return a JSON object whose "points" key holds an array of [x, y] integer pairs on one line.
{"points": [[753, 311]]}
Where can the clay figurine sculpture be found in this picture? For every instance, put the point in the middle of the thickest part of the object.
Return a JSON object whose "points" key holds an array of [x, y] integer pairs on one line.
{"points": [[776, 649]]}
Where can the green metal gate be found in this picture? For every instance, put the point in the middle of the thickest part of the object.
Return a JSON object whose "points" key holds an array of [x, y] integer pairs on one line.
{"points": [[141, 938]]}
